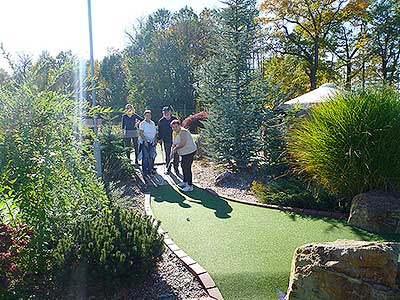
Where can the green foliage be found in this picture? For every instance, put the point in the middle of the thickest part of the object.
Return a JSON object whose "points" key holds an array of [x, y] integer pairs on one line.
{"points": [[351, 144], [288, 73], [113, 78], [293, 192], [385, 37], [165, 50], [118, 245], [227, 88], [116, 165], [44, 163]]}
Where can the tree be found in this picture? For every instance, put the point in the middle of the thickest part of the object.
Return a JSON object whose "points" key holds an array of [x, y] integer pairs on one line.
{"points": [[301, 27], [113, 80], [287, 73], [348, 40], [165, 51], [384, 32], [228, 88]]}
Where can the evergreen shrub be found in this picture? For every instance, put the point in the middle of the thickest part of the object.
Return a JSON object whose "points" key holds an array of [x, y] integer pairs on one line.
{"points": [[116, 165], [118, 245]]}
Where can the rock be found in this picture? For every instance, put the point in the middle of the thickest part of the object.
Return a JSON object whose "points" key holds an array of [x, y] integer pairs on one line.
{"points": [[224, 178], [346, 270], [376, 211]]}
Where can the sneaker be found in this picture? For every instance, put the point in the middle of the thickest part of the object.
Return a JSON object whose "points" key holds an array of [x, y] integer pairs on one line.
{"points": [[182, 184], [187, 188]]}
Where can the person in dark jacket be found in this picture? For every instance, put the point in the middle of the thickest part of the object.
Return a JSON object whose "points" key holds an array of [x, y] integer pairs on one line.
{"points": [[130, 122], [165, 136]]}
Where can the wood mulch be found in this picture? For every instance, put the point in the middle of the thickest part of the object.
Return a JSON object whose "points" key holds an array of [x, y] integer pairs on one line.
{"points": [[235, 186]]}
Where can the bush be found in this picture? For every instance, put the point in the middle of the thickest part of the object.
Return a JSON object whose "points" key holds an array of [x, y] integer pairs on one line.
{"points": [[13, 242], [194, 122], [293, 192], [45, 164], [351, 144], [116, 165], [118, 245]]}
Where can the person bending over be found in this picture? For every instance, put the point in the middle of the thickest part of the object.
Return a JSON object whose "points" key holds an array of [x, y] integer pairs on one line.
{"points": [[184, 145]]}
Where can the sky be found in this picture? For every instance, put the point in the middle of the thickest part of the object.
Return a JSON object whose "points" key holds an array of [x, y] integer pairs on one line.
{"points": [[31, 26]]}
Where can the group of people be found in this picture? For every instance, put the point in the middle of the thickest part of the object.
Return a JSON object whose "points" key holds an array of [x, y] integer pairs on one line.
{"points": [[176, 141]]}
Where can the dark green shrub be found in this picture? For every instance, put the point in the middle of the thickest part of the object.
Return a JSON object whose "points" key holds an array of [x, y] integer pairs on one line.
{"points": [[118, 245], [293, 192], [116, 165], [351, 144]]}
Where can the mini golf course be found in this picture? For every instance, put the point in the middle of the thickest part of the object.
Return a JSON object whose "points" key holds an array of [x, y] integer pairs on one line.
{"points": [[247, 250]]}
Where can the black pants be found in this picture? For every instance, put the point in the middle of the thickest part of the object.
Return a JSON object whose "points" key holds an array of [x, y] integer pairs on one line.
{"points": [[167, 151], [128, 144], [186, 164]]}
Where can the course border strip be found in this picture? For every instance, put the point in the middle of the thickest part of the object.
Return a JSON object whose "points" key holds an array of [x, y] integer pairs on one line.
{"points": [[303, 211], [194, 267]]}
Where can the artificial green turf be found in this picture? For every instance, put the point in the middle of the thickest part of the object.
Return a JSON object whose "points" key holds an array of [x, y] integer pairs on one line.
{"points": [[246, 249]]}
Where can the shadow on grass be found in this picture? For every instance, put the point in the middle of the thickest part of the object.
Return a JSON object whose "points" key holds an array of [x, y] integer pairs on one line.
{"points": [[221, 206], [335, 224], [166, 193]]}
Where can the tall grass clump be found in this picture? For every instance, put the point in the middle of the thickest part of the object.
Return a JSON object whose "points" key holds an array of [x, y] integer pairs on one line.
{"points": [[352, 143]]}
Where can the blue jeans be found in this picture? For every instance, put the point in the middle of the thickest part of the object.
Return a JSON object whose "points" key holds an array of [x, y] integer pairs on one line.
{"points": [[149, 155]]}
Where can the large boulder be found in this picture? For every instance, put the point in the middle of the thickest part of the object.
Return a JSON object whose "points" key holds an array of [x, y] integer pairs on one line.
{"points": [[376, 212], [344, 270]]}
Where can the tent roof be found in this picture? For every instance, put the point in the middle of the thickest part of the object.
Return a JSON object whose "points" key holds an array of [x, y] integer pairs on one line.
{"points": [[321, 94]]}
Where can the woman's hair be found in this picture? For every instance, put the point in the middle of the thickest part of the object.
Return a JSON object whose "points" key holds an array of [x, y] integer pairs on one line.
{"points": [[147, 111], [177, 122]]}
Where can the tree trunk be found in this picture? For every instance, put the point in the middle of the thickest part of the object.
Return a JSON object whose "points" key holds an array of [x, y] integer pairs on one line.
{"points": [[313, 79], [314, 66], [348, 75]]}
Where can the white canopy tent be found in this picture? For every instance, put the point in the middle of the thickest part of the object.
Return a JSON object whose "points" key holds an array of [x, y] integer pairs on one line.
{"points": [[319, 95]]}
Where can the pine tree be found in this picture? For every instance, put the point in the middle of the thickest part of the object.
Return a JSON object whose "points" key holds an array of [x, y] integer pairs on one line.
{"points": [[226, 87]]}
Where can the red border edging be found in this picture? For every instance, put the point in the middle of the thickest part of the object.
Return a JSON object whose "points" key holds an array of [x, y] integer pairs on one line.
{"points": [[198, 271]]}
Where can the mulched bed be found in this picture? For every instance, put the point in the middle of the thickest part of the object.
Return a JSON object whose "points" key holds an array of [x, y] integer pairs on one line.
{"points": [[235, 186]]}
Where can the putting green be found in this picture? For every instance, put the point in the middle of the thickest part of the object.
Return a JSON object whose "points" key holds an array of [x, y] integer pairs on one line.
{"points": [[247, 250]]}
